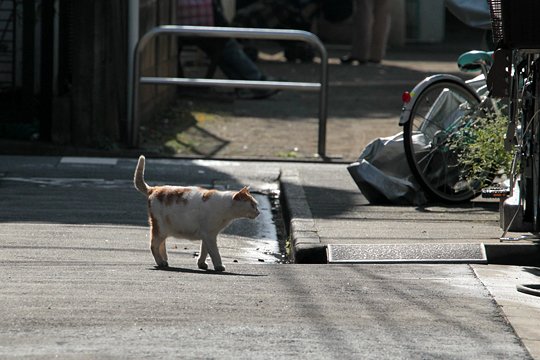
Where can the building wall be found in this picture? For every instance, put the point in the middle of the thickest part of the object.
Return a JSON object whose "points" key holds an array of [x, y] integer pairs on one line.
{"points": [[412, 21]]}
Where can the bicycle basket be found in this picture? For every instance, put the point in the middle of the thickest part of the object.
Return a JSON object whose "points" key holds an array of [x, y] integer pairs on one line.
{"points": [[515, 23]]}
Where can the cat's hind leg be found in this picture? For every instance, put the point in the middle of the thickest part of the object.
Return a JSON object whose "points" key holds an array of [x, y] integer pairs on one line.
{"points": [[201, 261], [157, 242]]}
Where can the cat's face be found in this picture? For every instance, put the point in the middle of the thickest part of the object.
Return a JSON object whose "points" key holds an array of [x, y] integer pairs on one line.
{"points": [[246, 204]]}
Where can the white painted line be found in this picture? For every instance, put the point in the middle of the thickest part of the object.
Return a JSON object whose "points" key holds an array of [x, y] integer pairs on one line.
{"points": [[198, 162], [71, 182], [88, 161]]}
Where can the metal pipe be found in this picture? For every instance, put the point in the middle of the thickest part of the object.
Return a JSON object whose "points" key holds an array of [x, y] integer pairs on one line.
{"points": [[132, 38], [323, 103], [229, 32], [282, 85]]}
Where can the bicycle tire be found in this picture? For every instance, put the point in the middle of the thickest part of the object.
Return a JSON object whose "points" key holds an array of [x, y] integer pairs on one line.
{"points": [[434, 117]]}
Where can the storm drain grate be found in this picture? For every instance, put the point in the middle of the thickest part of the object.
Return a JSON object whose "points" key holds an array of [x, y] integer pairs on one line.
{"points": [[407, 253]]}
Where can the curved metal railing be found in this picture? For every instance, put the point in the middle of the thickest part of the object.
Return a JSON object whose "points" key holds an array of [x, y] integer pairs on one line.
{"points": [[229, 32]]}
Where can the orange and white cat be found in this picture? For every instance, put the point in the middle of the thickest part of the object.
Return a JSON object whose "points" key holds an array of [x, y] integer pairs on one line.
{"points": [[191, 213]]}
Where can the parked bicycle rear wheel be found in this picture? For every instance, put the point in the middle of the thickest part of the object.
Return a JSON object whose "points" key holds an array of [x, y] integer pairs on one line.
{"points": [[437, 115]]}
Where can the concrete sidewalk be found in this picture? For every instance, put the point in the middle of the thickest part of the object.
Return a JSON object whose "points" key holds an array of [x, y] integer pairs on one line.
{"points": [[327, 209], [78, 280]]}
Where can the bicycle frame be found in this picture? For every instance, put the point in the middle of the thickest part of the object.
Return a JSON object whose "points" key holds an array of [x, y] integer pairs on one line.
{"points": [[521, 211]]}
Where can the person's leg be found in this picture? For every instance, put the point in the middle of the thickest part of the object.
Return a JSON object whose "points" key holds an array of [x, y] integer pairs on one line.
{"points": [[381, 29], [212, 47], [231, 59], [362, 22], [236, 64]]}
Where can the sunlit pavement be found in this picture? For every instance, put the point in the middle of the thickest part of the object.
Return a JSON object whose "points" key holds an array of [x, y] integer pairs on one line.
{"points": [[78, 279]]}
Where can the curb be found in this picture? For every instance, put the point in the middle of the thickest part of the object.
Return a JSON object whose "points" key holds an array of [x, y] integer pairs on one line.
{"points": [[513, 254], [306, 246]]}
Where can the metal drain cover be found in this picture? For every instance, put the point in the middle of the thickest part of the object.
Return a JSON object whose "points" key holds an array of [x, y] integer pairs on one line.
{"points": [[407, 253]]}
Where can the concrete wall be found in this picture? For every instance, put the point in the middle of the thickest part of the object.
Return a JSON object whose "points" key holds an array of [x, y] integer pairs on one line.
{"points": [[412, 21]]}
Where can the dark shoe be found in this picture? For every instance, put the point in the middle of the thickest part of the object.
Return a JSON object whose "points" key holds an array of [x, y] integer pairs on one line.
{"points": [[299, 52], [255, 94], [347, 59]]}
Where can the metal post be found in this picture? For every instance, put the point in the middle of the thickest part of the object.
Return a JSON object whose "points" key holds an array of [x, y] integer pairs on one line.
{"points": [[133, 37], [228, 32], [323, 105]]}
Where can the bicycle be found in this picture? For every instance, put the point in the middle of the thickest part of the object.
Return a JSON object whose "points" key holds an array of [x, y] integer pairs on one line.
{"points": [[516, 76], [435, 112]]}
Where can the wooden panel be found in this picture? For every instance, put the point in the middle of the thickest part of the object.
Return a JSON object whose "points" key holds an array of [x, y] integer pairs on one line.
{"points": [[98, 94]]}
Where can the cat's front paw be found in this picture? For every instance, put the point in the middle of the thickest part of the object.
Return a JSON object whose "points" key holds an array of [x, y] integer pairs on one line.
{"points": [[219, 268], [202, 265], [163, 264]]}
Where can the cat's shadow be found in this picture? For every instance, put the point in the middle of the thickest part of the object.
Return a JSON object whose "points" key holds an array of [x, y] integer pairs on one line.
{"points": [[202, 272]]}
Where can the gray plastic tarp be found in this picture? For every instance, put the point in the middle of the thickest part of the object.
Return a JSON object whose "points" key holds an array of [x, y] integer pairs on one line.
{"points": [[383, 175]]}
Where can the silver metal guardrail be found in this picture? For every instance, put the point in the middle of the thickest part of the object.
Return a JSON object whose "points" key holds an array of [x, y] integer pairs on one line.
{"points": [[239, 33]]}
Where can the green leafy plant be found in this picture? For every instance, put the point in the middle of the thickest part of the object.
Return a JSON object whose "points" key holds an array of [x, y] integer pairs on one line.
{"points": [[480, 149]]}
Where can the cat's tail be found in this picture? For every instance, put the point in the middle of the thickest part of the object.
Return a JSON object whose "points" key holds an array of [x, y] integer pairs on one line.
{"points": [[138, 178]]}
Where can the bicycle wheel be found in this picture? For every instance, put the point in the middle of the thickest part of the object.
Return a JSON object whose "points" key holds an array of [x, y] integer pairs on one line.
{"points": [[437, 115]]}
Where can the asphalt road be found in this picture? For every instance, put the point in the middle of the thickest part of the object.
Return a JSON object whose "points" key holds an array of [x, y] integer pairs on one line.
{"points": [[129, 310], [78, 281]]}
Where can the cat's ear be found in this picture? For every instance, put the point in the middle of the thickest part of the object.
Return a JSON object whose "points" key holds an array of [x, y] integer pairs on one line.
{"points": [[242, 194]]}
